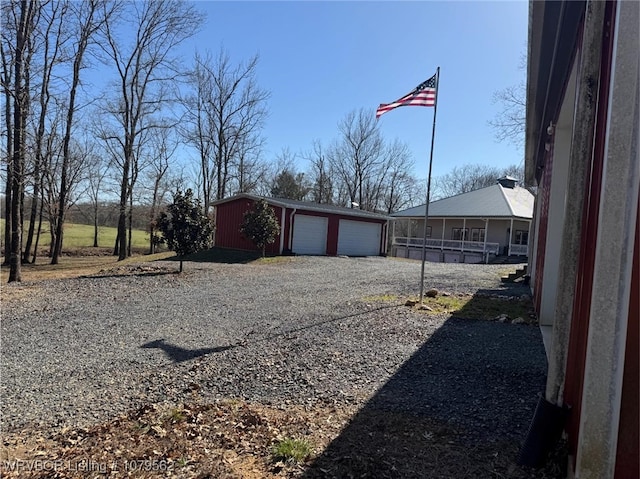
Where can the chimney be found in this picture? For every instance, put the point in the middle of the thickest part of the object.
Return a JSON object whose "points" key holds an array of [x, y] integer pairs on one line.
{"points": [[508, 182]]}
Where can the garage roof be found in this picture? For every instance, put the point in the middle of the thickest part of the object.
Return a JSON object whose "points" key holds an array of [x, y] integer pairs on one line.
{"points": [[491, 202], [307, 206]]}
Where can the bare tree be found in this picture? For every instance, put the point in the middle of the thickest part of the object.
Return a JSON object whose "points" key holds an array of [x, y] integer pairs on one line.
{"points": [[52, 39], [145, 69], [7, 50], [247, 167], [20, 97], [462, 179], [358, 157], [399, 186], [361, 169], [97, 169], [226, 112], [162, 149], [90, 16], [201, 132], [320, 174], [509, 122]]}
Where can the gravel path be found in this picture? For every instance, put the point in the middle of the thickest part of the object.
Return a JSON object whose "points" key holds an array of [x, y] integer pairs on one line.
{"points": [[78, 351]]}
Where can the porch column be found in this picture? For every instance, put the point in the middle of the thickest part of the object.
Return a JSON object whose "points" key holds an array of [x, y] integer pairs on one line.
{"points": [[393, 232], [510, 236], [442, 240], [484, 248], [464, 226], [406, 252]]}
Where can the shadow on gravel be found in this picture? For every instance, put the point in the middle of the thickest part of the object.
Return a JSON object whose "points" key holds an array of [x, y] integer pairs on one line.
{"points": [[178, 354], [316, 324], [219, 255], [119, 274], [459, 407], [489, 304]]}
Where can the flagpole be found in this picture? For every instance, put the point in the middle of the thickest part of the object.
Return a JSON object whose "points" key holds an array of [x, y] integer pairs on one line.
{"points": [[426, 208]]}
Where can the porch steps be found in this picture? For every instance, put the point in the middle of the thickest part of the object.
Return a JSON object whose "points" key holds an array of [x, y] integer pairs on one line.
{"points": [[519, 273]]}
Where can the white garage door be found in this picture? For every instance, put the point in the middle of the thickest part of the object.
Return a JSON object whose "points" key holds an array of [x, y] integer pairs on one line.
{"points": [[309, 234], [358, 238]]}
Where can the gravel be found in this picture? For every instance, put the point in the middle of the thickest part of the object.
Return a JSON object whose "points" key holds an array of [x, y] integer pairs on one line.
{"points": [[306, 331]]}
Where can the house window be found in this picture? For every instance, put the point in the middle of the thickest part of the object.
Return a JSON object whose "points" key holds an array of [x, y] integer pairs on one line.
{"points": [[522, 237], [459, 234], [428, 231], [477, 234]]}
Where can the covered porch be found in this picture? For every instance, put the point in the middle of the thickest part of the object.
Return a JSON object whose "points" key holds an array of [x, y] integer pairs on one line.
{"points": [[460, 240]]}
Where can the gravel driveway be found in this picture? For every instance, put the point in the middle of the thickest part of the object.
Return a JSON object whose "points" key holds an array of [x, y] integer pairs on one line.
{"points": [[312, 329]]}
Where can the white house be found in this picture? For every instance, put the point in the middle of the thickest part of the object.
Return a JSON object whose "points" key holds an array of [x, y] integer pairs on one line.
{"points": [[471, 227]]}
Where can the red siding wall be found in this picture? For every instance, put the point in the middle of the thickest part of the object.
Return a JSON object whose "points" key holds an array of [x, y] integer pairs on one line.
{"points": [[541, 234], [229, 217], [627, 460]]}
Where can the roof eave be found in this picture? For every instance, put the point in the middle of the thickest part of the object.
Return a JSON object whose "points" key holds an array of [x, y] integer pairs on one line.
{"points": [[305, 207], [553, 34]]}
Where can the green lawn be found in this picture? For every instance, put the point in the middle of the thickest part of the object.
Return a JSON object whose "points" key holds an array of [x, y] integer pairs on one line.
{"points": [[78, 236]]}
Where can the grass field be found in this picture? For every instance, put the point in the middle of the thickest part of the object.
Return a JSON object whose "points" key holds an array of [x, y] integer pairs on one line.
{"points": [[79, 256], [77, 236]]}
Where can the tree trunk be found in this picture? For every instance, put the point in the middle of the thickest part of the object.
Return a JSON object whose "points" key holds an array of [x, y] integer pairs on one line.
{"points": [[8, 201], [130, 223], [52, 235], [95, 225], [35, 247], [9, 184], [122, 218], [152, 246], [34, 212], [19, 125]]}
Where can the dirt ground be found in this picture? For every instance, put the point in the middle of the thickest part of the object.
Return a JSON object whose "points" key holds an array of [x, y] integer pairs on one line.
{"points": [[235, 439]]}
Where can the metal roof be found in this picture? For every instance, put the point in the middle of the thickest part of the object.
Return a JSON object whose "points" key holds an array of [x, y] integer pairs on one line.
{"points": [[307, 206], [491, 202]]}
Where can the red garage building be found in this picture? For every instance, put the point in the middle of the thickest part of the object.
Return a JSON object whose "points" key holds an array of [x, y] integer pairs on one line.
{"points": [[305, 228]]}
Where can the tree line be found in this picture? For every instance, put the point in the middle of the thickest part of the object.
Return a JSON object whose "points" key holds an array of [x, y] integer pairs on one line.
{"points": [[63, 142], [66, 142]]}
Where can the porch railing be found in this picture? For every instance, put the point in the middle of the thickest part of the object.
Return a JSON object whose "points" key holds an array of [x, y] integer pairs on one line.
{"points": [[451, 245], [519, 249]]}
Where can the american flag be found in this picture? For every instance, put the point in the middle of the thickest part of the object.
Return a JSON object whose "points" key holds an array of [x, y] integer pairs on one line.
{"points": [[423, 95]]}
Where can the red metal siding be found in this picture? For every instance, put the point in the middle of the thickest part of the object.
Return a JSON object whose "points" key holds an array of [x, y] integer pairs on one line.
{"points": [[332, 235], [229, 217], [544, 195], [627, 460]]}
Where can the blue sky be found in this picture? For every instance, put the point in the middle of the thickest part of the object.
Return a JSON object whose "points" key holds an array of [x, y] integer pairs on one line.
{"points": [[321, 60]]}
